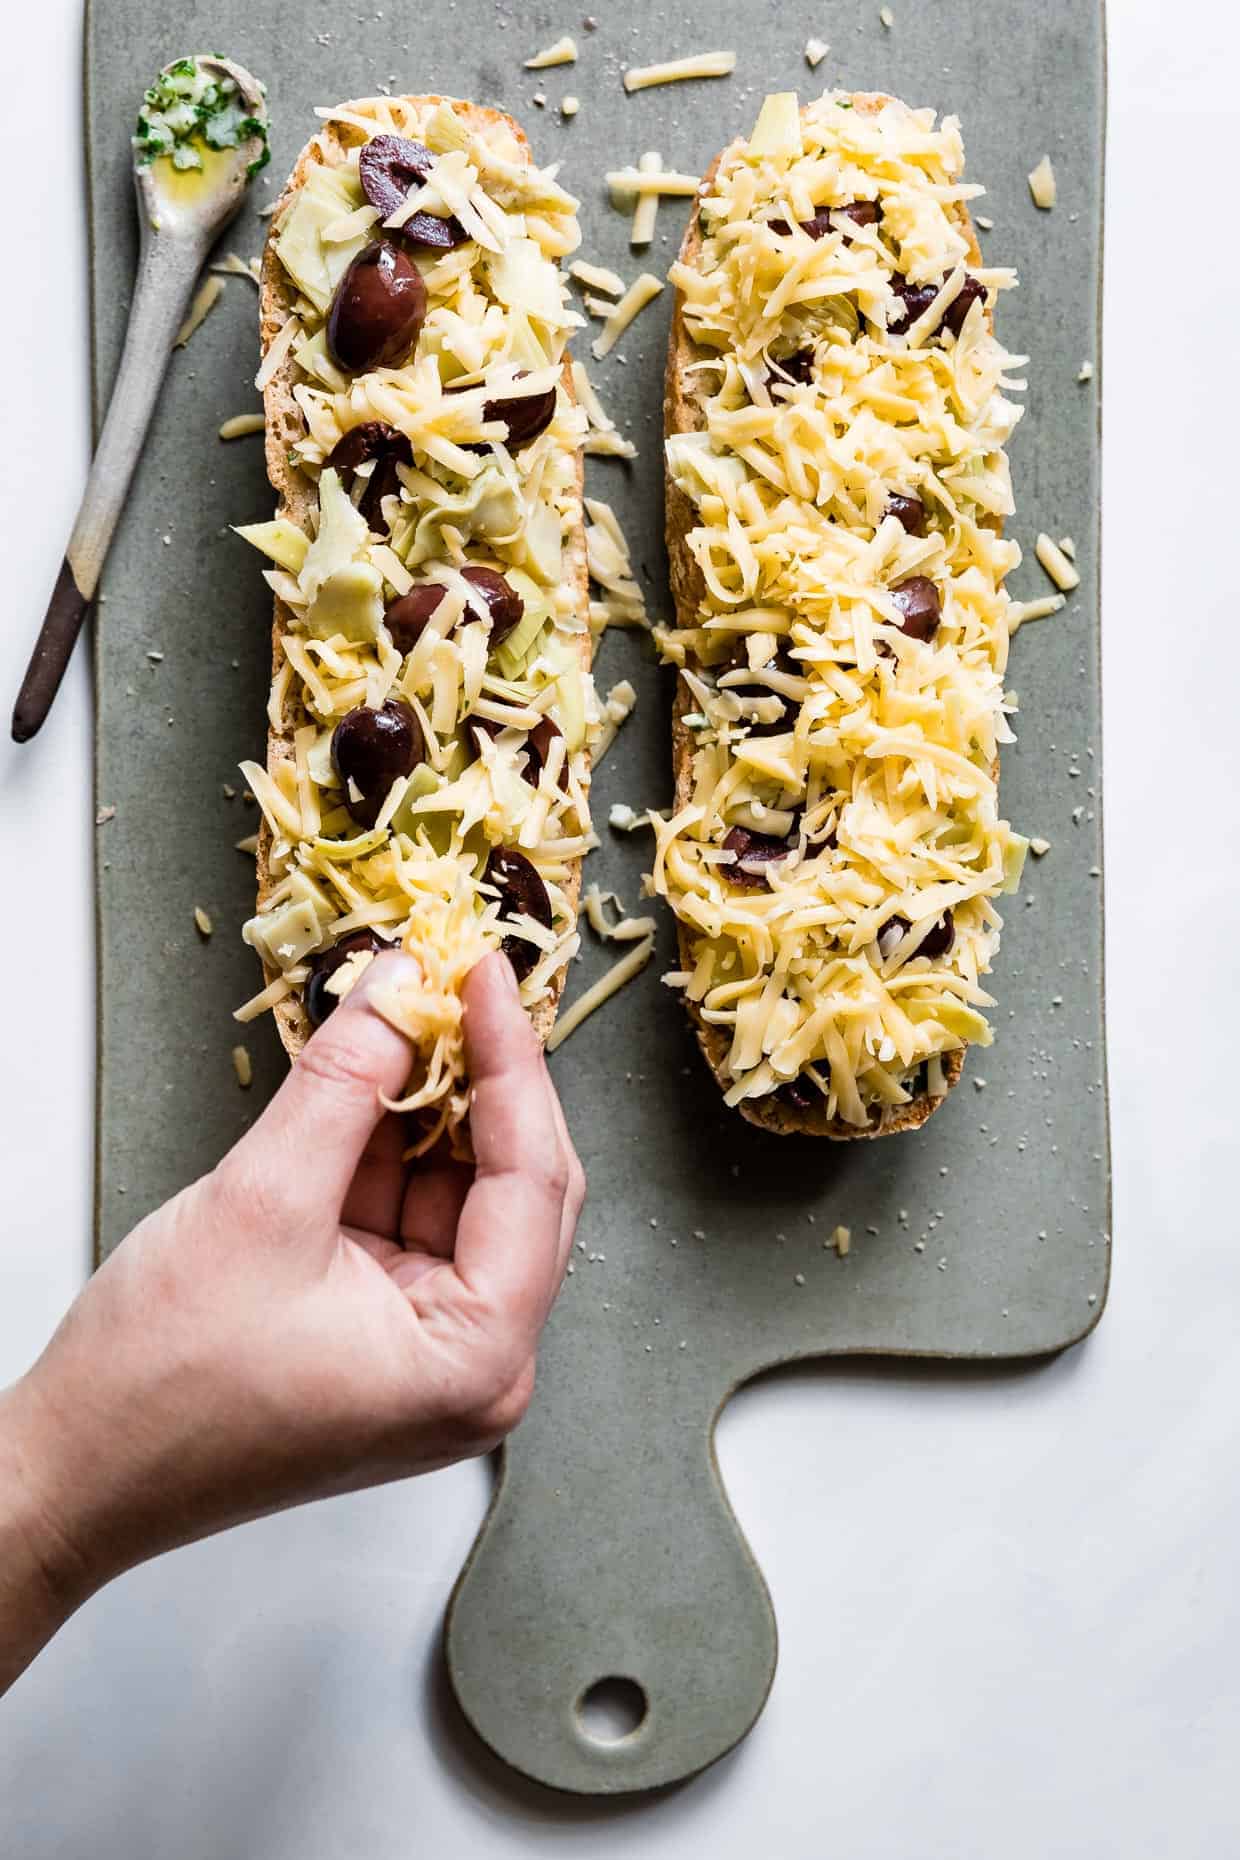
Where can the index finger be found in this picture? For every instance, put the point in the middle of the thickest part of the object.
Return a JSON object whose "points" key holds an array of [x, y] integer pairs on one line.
{"points": [[508, 1239]]}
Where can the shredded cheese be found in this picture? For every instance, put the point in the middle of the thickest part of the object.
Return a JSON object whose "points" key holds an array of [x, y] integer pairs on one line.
{"points": [[1056, 564], [676, 70], [232, 265], [569, 106], [202, 921], [419, 866], [243, 1067], [643, 290], [815, 51], [597, 278], [843, 468], [602, 991], [206, 297], [625, 184], [241, 424], [646, 205], [1042, 185], [563, 52]]}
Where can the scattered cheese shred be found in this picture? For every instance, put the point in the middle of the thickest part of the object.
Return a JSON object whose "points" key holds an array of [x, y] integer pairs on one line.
{"points": [[232, 265], [241, 424], [643, 290], [646, 209], [243, 1067], [202, 920], [701, 65], [273, 361], [606, 986], [611, 567], [563, 52], [597, 277], [569, 106], [206, 297], [815, 51], [1085, 372], [624, 183], [1021, 611], [1056, 564], [841, 1240], [1042, 185], [625, 929], [620, 704], [886, 17], [602, 438], [1039, 847]]}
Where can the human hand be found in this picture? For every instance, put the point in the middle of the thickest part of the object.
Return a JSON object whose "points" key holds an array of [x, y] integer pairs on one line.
{"points": [[311, 1317]]}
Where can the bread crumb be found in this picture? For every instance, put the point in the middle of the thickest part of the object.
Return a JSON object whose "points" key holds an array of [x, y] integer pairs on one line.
{"points": [[203, 921], [242, 1067]]}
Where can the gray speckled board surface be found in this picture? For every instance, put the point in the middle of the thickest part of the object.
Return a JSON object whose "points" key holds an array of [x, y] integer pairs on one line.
{"points": [[610, 1548]]}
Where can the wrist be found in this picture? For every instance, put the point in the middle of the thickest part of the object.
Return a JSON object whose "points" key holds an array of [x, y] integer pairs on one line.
{"points": [[37, 1512]]}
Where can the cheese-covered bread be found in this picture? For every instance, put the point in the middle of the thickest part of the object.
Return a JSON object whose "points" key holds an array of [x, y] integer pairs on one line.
{"points": [[431, 708], [837, 410]]}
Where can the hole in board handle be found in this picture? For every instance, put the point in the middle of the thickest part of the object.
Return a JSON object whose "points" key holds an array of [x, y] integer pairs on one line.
{"points": [[611, 1710]]}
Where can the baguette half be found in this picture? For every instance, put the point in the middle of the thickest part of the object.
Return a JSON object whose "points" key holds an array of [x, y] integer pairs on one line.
{"points": [[683, 414], [297, 497]]}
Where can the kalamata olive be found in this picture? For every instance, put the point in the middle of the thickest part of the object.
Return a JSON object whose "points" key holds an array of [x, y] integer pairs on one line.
{"points": [[373, 439], [917, 299], [785, 369], [918, 602], [388, 167], [407, 616], [538, 745], [754, 852], [521, 894], [860, 212], [937, 941], [960, 305], [909, 512], [504, 604], [371, 749], [525, 416], [378, 310], [319, 1000]]}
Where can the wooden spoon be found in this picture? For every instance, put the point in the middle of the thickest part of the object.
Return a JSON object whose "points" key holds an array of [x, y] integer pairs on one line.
{"points": [[181, 213]]}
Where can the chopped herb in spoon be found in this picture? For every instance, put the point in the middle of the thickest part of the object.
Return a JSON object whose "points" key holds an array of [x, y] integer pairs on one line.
{"points": [[189, 108]]}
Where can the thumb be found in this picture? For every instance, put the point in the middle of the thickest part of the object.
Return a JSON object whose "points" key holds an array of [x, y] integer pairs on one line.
{"points": [[308, 1142]]}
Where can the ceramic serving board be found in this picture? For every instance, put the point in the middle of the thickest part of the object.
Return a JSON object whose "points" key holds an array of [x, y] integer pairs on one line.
{"points": [[610, 1550]]}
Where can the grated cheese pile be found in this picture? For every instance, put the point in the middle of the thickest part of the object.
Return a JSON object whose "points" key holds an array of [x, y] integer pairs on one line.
{"points": [[867, 754], [497, 309]]}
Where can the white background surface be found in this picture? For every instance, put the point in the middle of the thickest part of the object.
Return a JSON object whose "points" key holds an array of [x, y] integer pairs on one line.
{"points": [[1007, 1605]]}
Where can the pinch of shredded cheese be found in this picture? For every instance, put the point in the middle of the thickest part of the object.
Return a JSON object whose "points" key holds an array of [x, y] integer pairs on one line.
{"points": [[675, 70], [597, 277], [882, 781], [497, 321]]}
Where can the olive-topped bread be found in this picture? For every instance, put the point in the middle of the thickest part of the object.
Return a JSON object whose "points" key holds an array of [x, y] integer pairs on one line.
{"points": [[836, 415], [432, 708]]}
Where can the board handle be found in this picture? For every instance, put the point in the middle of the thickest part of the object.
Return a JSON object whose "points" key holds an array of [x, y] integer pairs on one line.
{"points": [[611, 1630]]}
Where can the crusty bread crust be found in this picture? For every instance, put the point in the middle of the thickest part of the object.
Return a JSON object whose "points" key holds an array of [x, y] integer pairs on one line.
{"points": [[298, 498], [682, 414]]}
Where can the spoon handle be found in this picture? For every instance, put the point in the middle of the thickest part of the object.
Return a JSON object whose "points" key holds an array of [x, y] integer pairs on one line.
{"points": [[167, 270]]}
